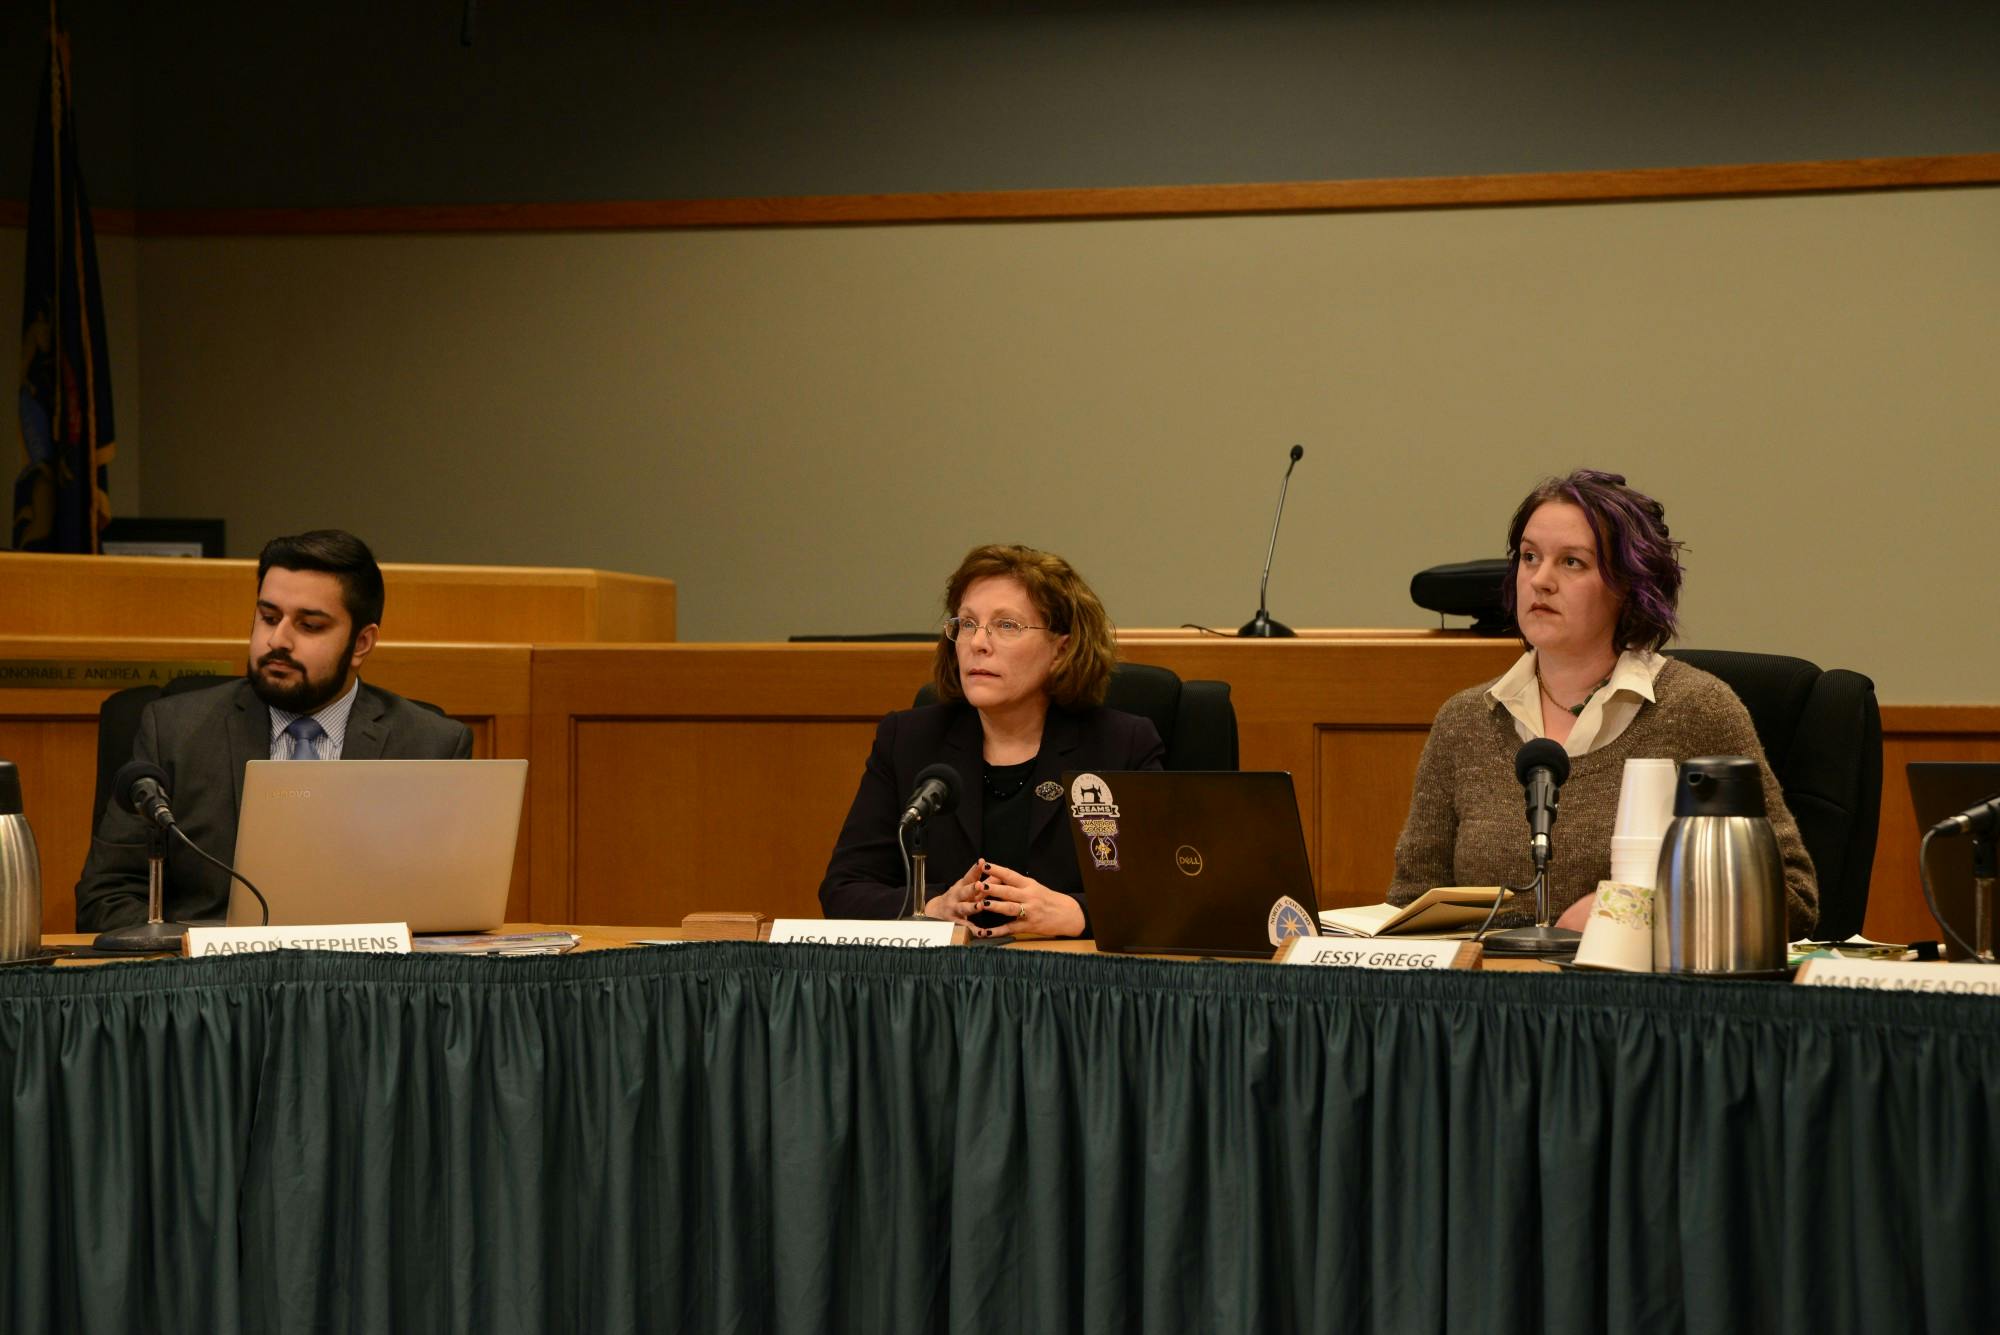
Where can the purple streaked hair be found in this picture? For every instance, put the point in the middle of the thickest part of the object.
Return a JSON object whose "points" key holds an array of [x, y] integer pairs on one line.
{"points": [[1638, 559]]}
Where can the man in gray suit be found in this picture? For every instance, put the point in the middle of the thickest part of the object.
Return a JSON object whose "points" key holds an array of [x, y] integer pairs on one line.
{"points": [[319, 610]]}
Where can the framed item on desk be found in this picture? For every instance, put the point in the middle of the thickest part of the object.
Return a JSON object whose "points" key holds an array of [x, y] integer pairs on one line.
{"points": [[163, 537]]}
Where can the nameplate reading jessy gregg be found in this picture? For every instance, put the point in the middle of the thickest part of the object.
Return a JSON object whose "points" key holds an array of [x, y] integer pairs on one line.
{"points": [[865, 932], [1376, 953]]}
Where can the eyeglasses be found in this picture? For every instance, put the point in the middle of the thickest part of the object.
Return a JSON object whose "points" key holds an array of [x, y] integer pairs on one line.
{"points": [[1001, 629]]}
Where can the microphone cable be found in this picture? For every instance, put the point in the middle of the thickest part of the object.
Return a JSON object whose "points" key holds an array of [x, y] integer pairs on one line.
{"points": [[262, 903], [1930, 899], [1511, 890]]}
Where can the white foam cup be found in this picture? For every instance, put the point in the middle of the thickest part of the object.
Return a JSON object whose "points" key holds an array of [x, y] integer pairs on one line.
{"points": [[1645, 799], [1619, 932], [1635, 861]]}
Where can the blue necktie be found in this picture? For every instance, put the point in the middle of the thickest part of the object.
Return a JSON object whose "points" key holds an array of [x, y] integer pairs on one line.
{"points": [[304, 732]]}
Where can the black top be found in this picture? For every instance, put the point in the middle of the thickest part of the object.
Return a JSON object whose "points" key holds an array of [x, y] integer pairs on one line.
{"points": [[864, 877], [1008, 805]]}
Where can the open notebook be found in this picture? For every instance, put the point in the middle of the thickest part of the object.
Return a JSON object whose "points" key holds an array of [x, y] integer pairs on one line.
{"points": [[1449, 910]]}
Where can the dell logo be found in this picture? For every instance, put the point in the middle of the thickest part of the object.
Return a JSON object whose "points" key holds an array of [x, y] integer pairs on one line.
{"points": [[1187, 858]]}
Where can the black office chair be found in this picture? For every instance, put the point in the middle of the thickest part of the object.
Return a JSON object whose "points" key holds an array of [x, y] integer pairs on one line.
{"points": [[118, 728], [1822, 733], [1196, 719]]}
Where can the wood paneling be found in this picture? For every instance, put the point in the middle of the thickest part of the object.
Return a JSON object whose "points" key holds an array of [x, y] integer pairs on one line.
{"points": [[680, 817], [57, 758], [158, 596], [1896, 908], [1407, 192], [1366, 776]]}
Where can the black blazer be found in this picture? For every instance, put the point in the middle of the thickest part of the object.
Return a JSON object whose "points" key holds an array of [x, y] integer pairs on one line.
{"points": [[864, 878], [202, 740]]}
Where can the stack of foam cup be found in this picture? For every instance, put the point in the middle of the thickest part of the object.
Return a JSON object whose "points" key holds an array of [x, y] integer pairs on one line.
{"points": [[1645, 808], [1619, 934]]}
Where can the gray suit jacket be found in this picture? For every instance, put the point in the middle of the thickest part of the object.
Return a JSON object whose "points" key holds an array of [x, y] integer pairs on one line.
{"points": [[202, 739]]}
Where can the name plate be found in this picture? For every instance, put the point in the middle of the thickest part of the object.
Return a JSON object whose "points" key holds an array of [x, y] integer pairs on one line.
{"points": [[864, 932], [1348, 953], [362, 938], [1971, 980]]}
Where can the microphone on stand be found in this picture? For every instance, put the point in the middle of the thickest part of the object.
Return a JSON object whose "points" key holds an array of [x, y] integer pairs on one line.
{"points": [[1261, 626], [1983, 819], [1542, 766], [141, 788], [935, 794]]}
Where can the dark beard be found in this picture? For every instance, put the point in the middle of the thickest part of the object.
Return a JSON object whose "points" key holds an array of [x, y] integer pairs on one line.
{"points": [[305, 695]]}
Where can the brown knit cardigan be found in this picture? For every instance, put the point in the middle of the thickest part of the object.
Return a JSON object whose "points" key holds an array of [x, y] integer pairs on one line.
{"points": [[1467, 824]]}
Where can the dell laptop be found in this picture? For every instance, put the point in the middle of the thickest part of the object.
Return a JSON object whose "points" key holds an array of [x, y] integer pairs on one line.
{"points": [[1191, 862]]}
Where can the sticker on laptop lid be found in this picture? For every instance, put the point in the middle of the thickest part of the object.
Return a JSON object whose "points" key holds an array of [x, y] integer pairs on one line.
{"points": [[1289, 919], [1096, 825], [1091, 796], [1104, 852]]}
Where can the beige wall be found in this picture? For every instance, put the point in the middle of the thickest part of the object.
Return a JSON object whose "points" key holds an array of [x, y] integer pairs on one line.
{"points": [[806, 428]]}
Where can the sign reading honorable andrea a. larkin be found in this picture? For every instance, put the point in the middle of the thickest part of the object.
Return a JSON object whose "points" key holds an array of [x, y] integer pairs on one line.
{"points": [[1380, 953], [866, 932], [361, 938]]}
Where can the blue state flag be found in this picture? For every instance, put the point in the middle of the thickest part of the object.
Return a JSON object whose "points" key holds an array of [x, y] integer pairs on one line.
{"points": [[66, 435]]}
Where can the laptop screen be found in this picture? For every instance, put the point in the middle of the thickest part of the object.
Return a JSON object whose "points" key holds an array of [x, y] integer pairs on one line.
{"points": [[1191, 862], [426, 842]]}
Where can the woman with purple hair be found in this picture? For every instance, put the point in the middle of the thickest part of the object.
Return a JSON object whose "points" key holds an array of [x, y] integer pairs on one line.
{"points": [[1594, 581]]}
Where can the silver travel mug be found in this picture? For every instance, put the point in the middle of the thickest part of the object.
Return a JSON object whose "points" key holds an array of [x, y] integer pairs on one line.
{"points": [[20, 873]]}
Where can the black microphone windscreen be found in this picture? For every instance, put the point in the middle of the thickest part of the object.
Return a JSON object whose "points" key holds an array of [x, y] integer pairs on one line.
{"points": [[947, 778], [128, 775], [1542, 753], [1298, 453]]}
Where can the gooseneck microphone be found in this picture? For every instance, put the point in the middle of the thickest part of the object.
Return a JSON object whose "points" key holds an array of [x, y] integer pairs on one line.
{"points": [[1261, 626], [1983, 819], [935, 794], [140, 787], [1542, 766], [1982, 822]]}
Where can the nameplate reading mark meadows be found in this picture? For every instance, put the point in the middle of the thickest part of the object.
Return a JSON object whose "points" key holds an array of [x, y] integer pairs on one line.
{"points": [[865, 932], [1959, 979]]}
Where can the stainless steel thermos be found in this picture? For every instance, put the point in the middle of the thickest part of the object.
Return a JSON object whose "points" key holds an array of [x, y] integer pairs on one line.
{"points": [[1720, 897], [20, 873]]}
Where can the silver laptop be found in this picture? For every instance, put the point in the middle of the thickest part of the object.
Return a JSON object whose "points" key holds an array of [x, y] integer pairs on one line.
{"points": [[427, 842]]}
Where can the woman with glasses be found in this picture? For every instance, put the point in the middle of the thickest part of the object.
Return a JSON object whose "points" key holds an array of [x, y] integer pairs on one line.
{"points": [[1022, 662]]}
